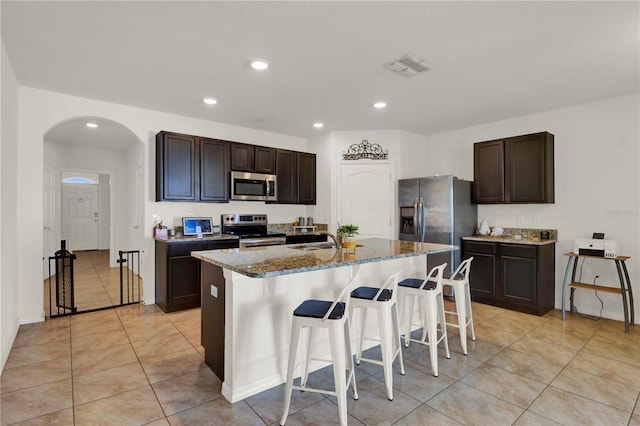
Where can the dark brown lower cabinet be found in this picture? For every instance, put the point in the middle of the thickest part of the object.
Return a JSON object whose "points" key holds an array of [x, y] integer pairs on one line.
{"points": [[178, 274], [212, 313], [520, 277]]}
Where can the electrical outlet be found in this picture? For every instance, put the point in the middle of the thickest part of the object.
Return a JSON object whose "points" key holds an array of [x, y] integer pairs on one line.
{"points": [[214, 290]]}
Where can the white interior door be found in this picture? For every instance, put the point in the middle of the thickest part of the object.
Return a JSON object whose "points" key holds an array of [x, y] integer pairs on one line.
{"points": [[366, 198], [80, 215], [51, 215]]}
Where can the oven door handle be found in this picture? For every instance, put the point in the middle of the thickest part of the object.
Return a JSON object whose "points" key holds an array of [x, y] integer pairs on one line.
{"points": [[257, 242]]}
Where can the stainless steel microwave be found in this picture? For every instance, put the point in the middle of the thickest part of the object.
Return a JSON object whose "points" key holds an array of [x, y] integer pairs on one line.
{"points": [[253, 186]]}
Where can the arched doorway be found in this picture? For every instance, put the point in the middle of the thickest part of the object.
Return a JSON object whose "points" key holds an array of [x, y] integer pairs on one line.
{"points": [[93, 181]]}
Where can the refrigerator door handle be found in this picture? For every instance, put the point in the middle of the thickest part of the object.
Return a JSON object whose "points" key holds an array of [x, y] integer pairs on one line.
{"points": [[416, 220], [422, 221]]}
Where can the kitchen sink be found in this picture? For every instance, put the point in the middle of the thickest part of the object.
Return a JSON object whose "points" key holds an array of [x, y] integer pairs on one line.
{"points": [[313, 246]]}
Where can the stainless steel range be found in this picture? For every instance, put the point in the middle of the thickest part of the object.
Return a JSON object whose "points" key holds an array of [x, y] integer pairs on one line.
{"points": [[252, 230]]}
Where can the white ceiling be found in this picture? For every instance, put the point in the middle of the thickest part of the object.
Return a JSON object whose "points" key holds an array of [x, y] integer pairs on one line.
{"points": [[490, 60]]}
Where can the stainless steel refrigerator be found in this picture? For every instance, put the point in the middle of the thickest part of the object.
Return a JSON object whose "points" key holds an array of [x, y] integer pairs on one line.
{"points": [[437, 209]]}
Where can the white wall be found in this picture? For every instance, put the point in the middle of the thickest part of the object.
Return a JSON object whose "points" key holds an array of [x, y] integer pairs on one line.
{"points": [[40, 110], [8, 209], [321, 146], [104, 214], [597, 185], [135, 196]]}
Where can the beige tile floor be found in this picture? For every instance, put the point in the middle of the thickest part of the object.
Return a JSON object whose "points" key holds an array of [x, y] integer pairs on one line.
{"points": [[135, 365], [96, 284]]}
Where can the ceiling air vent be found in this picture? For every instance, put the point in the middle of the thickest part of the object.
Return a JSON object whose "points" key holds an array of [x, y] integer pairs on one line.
{"points": [[408, 66]]}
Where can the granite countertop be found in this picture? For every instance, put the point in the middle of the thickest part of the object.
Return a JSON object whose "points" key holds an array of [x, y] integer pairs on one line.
{"points": [[535, 241], [271, 261], [191, 239]]}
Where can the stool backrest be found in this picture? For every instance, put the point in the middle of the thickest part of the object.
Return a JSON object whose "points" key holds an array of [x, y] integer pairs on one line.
{"points": [[463, 270], [343, 297], [391, 284], [435, 275]]}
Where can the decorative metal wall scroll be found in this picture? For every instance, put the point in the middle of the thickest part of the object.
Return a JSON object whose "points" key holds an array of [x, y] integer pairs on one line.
{"points": [[365, 150]]}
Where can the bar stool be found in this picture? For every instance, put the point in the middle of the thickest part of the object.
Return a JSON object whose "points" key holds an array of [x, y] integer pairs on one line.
{"points": [[459, 281], [333, 316], [384, 301], [431, 303]]}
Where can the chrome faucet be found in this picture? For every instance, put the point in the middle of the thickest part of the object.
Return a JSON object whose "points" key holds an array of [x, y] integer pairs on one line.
{"points": [[335, 239]]}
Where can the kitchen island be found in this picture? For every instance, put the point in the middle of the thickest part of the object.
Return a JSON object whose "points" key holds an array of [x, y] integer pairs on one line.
{"points": [[248, 296]]}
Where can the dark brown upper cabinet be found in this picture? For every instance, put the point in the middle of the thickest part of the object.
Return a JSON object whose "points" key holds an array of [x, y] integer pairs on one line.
{"points": [[177, 176], [287, 175], [214, 170], [190, 168], [194, 168], [296, 174], [252, 158], [306, 178], [514, 170]]}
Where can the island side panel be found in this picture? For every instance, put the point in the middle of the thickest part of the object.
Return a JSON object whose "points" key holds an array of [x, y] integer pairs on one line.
{"points": [[213, 317], [258, 320]]}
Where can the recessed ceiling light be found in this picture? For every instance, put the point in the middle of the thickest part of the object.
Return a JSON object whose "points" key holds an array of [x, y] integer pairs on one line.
{"points": [[210, 101], [318, 125], [92, 125], [379, 105], [259, 64]]}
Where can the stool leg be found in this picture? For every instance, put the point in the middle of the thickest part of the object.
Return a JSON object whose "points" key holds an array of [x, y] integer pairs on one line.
{"points": [[445, 336], [396, 330], [431, 314], [467, 292], [461, 310], [352, 316], [306, 356], [409, 316], [293, 350], [338, 358], [423, 317], [349, 358], [360, 332], [386, 348]]}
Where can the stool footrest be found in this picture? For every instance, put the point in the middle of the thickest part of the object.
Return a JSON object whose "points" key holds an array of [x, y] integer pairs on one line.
{"points": [[308, 389], [378, 362], [424, 342]]}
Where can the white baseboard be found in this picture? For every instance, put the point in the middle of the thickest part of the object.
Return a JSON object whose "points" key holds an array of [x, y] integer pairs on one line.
{"points": [[7, 344], [243, 392], [29, 319]]}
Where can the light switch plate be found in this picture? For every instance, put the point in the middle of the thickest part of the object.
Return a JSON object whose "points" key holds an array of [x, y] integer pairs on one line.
{"points": [[214, 290]]}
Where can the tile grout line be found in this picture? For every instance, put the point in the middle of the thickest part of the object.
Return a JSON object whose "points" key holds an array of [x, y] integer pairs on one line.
{"points": [[566, 365], [142, 367]]}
